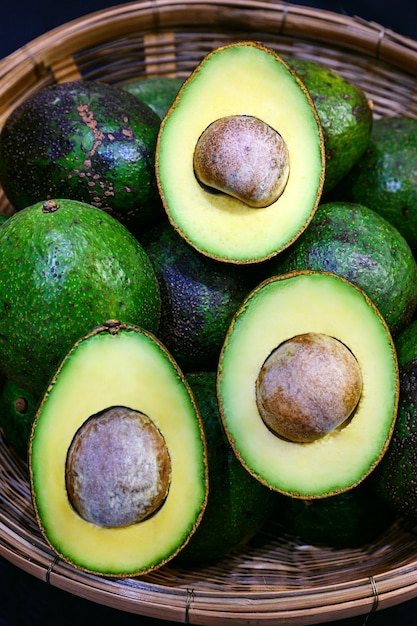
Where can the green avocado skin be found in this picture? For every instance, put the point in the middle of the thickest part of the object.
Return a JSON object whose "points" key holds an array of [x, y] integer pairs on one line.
{"points": [[199, 297], [84, 140], [355, 242], [395, 478], [385, 178], [238, 504], [158, 92], [63, 272], [17, 411], [345, 116]]}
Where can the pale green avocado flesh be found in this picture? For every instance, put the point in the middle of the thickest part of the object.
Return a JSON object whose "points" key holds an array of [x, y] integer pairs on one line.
{"points": [[244, 79], [277, 310], [120, 366]]}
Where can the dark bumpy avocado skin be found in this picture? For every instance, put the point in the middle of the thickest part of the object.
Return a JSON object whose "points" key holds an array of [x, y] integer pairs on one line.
{"points": [[358, 244], [17, 411], [385, 178], [83, 140], [199, 297], [238, 505], [345, 116]]}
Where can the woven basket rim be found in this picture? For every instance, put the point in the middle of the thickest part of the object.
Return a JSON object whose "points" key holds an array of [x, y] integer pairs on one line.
{"points": [[268, 586]]}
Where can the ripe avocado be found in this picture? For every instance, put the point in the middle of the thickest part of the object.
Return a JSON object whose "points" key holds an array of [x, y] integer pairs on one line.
{"points": [[66, 267], [385, 177], [315, 349], [199, 297], [394, 480], [345, 115], [135, 416], [17, 411], [251, 168], [238, 504], [358, 244], [158, 92], [84, 140]]}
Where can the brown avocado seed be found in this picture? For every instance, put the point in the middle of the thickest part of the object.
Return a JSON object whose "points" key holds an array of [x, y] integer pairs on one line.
{"points": [[118, 468], [243, 157], [308, 386]]}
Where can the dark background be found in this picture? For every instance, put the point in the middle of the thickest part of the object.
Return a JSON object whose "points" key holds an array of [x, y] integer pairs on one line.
{"points": [[25, 600]]}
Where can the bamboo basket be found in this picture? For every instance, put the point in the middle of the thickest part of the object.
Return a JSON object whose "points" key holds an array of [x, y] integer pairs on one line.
{"points": [[275, 579]]}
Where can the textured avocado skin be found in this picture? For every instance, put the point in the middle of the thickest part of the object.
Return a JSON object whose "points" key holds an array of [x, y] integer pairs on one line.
{"points": [[17, 411], [358, 244], [64, 272], [385, 177], [199, 297], [345, 116], [158, 92], [84, 140], [238, 505]]}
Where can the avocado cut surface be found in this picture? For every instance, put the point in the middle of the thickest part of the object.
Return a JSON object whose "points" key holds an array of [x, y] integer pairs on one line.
{"points": [[66, 267], [243, 80], [118, 365], [276, 311]]}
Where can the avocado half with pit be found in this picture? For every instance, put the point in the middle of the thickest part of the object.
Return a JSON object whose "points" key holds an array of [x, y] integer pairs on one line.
{"points": [[308, 384], [118, 463], [240, 155]]}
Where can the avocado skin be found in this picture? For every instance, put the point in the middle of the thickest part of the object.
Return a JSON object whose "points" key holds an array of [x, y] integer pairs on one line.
{"points": [[199, 297], [345, 116], [385, 177], [238, 504], [84, 140], [63, 273], [346, 520], [158, 92], [394, 479], [17, 411], [358, 244]]}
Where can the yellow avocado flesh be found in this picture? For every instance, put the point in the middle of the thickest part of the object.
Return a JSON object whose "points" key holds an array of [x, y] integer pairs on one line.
{"points": [[244, 79], [126, 369], [282, 308]]}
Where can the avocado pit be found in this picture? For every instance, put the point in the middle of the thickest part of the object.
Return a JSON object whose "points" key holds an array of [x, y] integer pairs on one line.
{"points": [[117, 468], [243, 157], [308, 386]]}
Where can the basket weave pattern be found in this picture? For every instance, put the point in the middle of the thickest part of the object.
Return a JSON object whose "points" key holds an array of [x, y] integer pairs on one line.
{"points": [[275, 579]]}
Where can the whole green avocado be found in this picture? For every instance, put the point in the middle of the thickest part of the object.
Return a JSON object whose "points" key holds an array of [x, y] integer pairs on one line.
{"points": [[84, 140], [345, 115], [65, 268]]}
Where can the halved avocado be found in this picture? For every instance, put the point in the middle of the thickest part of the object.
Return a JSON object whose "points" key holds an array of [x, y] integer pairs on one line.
{"points": [[117, 455], [240, 155], [324, 456]]}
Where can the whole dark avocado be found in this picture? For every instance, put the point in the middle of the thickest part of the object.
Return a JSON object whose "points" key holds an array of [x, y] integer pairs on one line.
{"points": [[83, 140], [238, 505], [157, 91], [385, 177], [394, 479], [199, 297], [357, 243], [17, 411], [345, 114]]}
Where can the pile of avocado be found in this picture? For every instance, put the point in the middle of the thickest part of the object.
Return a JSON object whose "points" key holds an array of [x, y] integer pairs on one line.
{"points": [[208, 292]]}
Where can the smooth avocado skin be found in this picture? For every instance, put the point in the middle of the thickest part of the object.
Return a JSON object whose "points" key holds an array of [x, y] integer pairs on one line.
{"points": [[244, 82], [199, 297], [394, 479], [238, 505], [84, 140], [66, 267], [357, 243], [385, 177], [345, 115], [158, 92], [118, 366], [278, 310], [17, 411]]}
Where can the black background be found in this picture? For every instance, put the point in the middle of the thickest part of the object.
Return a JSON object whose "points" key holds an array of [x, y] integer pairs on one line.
{"points": [[24, 600]]}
